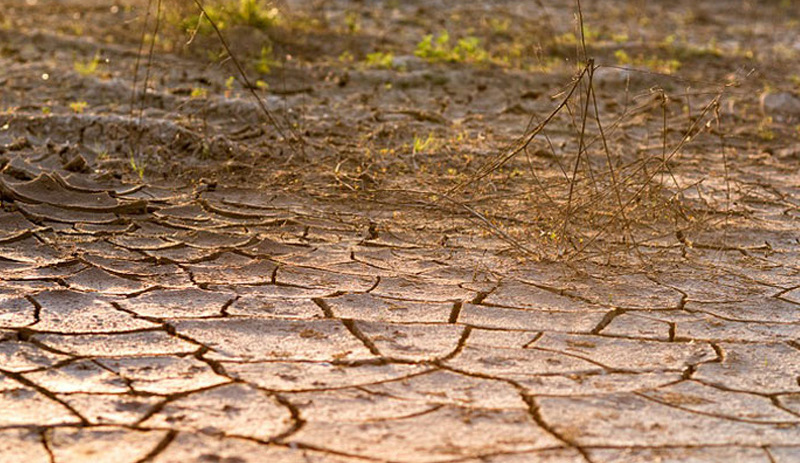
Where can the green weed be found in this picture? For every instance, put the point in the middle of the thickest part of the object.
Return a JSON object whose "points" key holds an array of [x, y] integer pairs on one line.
{"points": [[199, 92], [666, 66], [438, 49], [469, 49], [266, 62], [499, 26], [434, 50], [87, 68], [620, 38], [229, 86], [346, 57], [380, 60], [138, 168], [425, 145], [260, 14], [570, 38], [352, 22], [78, 106], [765, 131]]}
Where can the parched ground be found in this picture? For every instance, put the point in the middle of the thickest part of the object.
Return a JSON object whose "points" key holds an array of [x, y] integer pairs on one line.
{"points": [[518, 243]]}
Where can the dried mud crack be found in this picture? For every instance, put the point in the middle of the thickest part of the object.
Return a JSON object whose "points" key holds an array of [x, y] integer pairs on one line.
{"points": [[491, 244]]}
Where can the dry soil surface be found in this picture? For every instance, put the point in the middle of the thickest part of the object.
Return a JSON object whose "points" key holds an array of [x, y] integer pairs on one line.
{"points": [[503, 247]]}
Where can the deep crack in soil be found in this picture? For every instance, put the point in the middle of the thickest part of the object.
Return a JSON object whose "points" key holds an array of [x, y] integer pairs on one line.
{"points": [[399, 231]]}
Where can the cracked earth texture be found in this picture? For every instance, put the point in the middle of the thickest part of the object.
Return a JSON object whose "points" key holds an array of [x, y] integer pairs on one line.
{"points": [[211, 323]]}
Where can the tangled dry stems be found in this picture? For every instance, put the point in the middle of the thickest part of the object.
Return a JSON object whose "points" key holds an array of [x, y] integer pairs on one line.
{"points": [[610, 192], [613, 193]]}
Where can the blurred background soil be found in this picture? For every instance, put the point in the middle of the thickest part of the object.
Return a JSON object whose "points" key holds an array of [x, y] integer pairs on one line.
{"points": [[439, 119]]}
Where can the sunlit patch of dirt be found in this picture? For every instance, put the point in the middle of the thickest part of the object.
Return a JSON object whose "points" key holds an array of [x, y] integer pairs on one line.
{"points": [[652, 129]]}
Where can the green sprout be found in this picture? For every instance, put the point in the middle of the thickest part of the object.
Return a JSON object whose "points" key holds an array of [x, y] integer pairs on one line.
{"points": [[438, 49], [423, 145], [266, 61], [87, 68], [78, 106], [380, 60]]}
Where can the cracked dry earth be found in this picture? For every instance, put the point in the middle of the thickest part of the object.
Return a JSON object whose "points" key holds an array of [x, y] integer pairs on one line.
{"points": [[147, 324], [144, 323]]}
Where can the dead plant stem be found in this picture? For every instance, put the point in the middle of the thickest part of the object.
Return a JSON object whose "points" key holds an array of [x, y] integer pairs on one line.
{"points": [[296, 139]]}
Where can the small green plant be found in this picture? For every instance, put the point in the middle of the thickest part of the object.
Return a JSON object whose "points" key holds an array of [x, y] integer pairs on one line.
{"points": [[765, 129], [138, 168], [78, 106], [352, 21], [620, 38], [424, 145], [499, 26], [438, 49], [434, 49], [380, 60], [653, 63], [266, 61], [570, 38], [199, 92], [260, 14], [87, 68], [257, 13], [205, 151], [229, 86], [469, 49], [346, 57], [623, 58]]}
